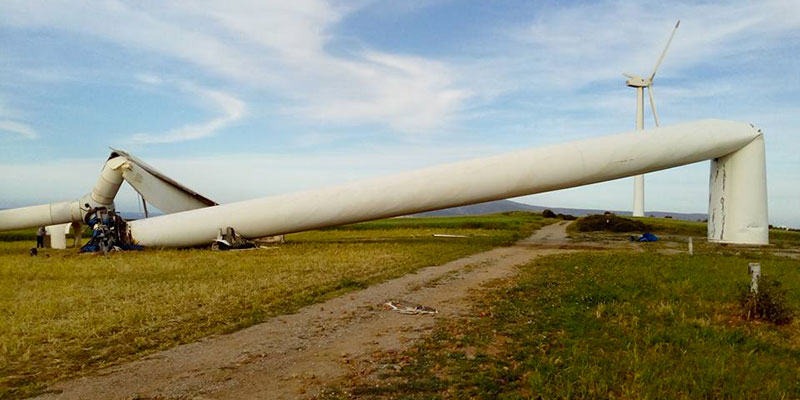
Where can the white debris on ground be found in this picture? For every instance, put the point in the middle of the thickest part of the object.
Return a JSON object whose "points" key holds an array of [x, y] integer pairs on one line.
{"points": [[405, 307]]}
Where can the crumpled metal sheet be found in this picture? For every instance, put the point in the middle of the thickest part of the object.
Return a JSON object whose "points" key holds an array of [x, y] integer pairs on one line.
{"points": [[406, 307]]}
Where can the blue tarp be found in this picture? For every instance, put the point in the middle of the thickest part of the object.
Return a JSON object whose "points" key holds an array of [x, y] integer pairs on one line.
{"points": [[646, 237]]}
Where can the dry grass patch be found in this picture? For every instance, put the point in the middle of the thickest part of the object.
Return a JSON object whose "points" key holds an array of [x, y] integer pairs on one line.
{"points": [[65, 314]]}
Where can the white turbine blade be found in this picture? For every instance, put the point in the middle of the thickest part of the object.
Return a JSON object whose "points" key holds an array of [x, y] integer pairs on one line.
{"points": [[664, 53], [158, 189], [653, 104], [628, 75]]}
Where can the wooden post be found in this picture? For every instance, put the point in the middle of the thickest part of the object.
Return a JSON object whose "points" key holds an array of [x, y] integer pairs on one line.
{"points": [[691, 247], [755, 273]]}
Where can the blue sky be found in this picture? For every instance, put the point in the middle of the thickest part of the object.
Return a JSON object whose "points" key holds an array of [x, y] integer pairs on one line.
{"points": [[241, 99]]}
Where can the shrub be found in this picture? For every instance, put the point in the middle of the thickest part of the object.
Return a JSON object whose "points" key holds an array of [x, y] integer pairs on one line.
{"points": [[548, 213], [610, 222], [769, 304]]}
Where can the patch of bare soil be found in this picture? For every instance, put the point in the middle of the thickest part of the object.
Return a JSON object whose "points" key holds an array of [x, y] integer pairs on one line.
{"points": [[295, 356]]}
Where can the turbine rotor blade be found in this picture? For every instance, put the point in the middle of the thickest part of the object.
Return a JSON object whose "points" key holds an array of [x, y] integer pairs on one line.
{"points": [[664, 53], [653, 104], [628, 75]]}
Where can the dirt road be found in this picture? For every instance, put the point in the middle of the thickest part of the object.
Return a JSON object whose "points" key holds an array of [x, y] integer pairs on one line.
{"points": [[294, 356]]}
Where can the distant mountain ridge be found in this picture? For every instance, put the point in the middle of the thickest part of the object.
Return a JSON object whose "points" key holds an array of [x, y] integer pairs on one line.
{"points": [[499, 206], [493, 207]]}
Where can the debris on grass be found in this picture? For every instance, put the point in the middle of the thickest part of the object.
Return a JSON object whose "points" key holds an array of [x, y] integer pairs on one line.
{"points": [[406, 307]]}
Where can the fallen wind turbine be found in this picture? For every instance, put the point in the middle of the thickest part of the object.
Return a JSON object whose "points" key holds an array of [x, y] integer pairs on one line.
{"points": [[640, 84], [737, 200]]}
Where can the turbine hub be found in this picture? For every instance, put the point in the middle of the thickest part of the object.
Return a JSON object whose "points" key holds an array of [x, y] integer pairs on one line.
{"points": [[638, 81]]}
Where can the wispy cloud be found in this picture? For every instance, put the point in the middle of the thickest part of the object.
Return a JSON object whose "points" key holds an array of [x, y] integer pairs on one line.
{"points": [[563, 68], [410, 94], [10, 121], [576, 45], [18, 128], [281, 47], [289, 49], [231, 108]]}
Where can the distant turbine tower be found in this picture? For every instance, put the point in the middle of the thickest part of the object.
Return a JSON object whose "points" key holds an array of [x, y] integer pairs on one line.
{"points": [[640, 83]]}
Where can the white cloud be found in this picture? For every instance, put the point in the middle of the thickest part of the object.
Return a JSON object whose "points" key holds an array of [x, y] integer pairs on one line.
{"points": [[585, 43], [18, 128], [9, 121], [276, 46], [149, 79], [411, 94], [284, 48], [232, 110], [562, 71]]}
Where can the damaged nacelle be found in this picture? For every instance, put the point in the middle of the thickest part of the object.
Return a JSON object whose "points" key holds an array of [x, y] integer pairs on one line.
{"points": [[59, 218]]}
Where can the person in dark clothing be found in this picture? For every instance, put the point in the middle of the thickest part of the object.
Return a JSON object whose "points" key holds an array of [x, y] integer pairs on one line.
{"points": [[40, 237]]}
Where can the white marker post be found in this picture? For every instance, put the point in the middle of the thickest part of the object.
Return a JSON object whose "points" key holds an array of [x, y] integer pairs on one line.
{"points": [[691, 247], [755, 273]]}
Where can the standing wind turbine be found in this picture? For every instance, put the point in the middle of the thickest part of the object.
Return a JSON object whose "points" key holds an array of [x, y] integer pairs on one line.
{"points": [[640, 83]]}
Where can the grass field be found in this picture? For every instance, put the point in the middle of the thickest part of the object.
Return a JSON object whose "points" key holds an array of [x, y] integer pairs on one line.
{"points": [[623, 324], [64, 314]]}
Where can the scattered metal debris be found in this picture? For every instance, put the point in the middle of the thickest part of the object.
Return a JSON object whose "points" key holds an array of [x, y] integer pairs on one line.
{"points": [[230, 240], [273, 239], [109, 232], [406, 307]]}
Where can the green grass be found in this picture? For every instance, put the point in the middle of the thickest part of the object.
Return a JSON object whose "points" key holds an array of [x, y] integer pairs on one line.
{"points": [[504, 221], [64, 314], [19, 235], [29, 235], [607, 325], [677, 227], [781, 238]]}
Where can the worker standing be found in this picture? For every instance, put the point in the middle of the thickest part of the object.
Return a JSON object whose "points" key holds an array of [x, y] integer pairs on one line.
{"points": [[40, 237]]}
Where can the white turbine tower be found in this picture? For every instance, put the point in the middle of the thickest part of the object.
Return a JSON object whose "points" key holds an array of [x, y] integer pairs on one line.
{"points": [[640, 83]]}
